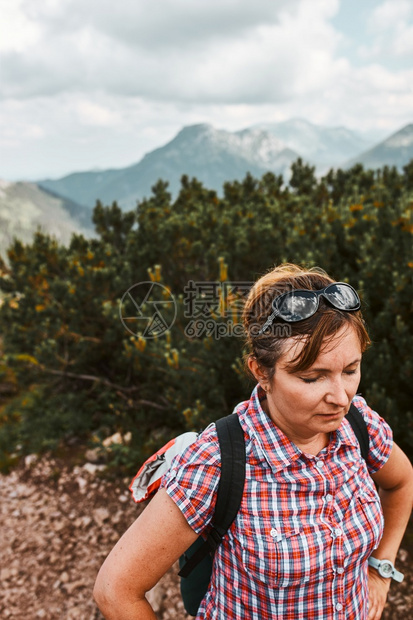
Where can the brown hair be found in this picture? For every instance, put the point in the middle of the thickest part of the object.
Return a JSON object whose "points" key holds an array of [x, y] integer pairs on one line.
{"points": [[315, 331]]}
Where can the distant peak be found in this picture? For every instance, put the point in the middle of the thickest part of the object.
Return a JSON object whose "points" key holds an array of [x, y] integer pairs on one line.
{"points": [[196, 129], [403, 137], [406, 129]]}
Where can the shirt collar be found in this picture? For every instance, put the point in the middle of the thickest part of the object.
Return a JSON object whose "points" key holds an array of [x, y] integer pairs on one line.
{"points": [[277, 449], [345, 435]]}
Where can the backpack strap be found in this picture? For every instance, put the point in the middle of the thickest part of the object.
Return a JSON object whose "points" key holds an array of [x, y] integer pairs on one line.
{"points": [[230, 488], [359, 426]]}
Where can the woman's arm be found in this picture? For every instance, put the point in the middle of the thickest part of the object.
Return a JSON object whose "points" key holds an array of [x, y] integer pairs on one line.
{"points": [[395, 482], [140, 558]]}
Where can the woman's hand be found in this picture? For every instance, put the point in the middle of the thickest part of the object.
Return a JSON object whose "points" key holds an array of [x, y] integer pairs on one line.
{"points": [[378, 590]]}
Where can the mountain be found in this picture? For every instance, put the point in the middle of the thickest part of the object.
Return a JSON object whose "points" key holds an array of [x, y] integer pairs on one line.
{"points": [[397, 150], [213, 156], [25, 207], [324, 147]]}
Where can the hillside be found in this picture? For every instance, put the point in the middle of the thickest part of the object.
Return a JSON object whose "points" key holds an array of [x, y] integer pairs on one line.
{"points": [[83, 187], [25, 208], [396, 150]]}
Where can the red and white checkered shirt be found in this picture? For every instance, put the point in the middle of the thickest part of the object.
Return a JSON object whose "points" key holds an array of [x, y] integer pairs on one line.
{"points": [[299, 545]]}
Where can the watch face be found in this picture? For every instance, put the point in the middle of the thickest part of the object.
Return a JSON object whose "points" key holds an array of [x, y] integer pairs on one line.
{"points": [[386, 569]]}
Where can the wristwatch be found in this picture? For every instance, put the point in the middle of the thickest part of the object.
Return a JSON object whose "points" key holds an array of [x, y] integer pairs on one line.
{"points": [[386, 568]]}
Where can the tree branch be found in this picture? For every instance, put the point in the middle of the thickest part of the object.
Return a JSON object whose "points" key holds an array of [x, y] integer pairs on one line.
{"points": [[121, 390]]}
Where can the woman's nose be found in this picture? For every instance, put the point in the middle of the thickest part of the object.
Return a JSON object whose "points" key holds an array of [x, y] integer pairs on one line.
{"points": [[337, 394]]}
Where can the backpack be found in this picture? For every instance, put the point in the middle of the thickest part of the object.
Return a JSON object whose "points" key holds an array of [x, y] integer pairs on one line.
{"points": [[196, 563]]}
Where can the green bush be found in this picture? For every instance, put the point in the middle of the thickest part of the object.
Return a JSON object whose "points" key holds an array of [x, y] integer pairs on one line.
{"points": [[80, 375]]}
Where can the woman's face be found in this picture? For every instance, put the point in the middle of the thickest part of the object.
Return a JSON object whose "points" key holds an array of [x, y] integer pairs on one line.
{"points": [[306, 403]]}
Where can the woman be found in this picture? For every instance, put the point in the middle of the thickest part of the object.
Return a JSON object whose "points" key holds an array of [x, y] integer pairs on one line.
{"points": [[310, 516]]}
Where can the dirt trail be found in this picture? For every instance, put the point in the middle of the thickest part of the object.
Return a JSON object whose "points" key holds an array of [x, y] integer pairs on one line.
{"points": [[57, 525]]}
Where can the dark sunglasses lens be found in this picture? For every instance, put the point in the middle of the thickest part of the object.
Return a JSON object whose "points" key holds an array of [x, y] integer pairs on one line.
{"points": [[298, 305], [342, 297]]}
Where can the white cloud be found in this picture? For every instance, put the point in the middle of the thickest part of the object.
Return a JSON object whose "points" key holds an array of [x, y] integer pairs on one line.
{"points": [[95, 114], [51, 136], [366, 98], [182, 50], [17, 31], [390, 15], [89, 83], [161, 24], [391, 27]]}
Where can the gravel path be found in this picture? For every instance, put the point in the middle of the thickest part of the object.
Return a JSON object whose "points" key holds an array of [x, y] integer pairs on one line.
{"points": [[57, 525]]}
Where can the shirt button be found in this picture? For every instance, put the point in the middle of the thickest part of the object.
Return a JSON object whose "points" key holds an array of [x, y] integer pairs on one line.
{"points": [[274, 533], [329, 497], [339, 606], [319, 464], [340, 570], [338, 531]]}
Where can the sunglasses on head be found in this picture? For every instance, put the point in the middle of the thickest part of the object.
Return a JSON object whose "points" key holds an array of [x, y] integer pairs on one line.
{"points": [[300, 304]]}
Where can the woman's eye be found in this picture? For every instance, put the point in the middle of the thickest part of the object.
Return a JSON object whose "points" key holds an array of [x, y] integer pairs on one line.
{"points": [[350, 372], [307, 380]]}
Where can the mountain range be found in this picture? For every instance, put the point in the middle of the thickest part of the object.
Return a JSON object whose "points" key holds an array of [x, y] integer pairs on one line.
{"points": [[214, 156]]}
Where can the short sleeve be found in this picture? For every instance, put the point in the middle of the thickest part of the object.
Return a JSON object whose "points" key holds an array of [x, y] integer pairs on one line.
{"points": [[380, 436], [192, 480]]}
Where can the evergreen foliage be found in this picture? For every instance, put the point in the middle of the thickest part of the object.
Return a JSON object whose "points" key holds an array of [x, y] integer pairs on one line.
{"points": [[78, 375]]}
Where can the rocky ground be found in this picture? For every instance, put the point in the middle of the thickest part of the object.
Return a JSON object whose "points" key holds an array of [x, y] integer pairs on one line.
{"points": [[57, 525]]}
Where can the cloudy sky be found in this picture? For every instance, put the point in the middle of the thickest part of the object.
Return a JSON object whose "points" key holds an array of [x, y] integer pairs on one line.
{"points": [[90, 84]]}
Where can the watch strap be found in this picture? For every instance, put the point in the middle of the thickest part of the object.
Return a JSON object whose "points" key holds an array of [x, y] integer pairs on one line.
{"points": [[395, 574]]}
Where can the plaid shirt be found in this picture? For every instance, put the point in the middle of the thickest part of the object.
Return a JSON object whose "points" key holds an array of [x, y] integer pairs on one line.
{"points": [[299, 545]]}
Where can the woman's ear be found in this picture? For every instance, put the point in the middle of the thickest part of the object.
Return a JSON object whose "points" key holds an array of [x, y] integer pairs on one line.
{"points": [[258, 373]]}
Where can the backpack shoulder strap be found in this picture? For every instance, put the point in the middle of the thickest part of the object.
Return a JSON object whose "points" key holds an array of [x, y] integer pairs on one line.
{"points": [[359, 426], [231, 484], [230, 488]]}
